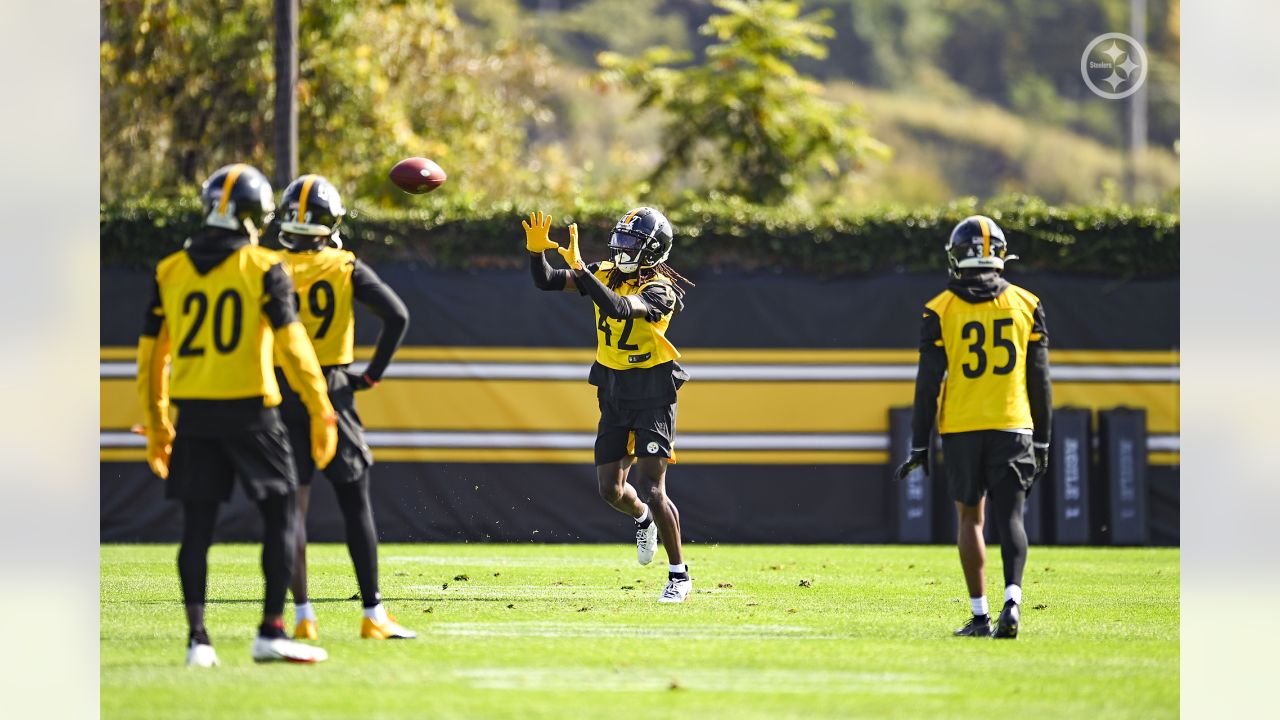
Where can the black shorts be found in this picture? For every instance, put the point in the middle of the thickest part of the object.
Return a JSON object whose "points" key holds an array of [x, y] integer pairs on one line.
{"points": [[977, 461], [354, 458], [650, 432], [205, 467]]}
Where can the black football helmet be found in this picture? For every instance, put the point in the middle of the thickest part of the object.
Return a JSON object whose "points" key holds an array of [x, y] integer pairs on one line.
{"points": [[238, 198], [311, 211], [977, 242], [641, 239]]}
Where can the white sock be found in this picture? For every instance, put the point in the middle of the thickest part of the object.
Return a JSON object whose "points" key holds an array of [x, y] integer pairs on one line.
{"points": [[644, 516], [979, 605], [377, 613], [681, 568], [303, 611], [1014, 593]]}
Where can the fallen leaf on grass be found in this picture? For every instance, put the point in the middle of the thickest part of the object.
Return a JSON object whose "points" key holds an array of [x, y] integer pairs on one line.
{"points": [[724, 585], [806, 583], [461, 577], [1041, 606], [583, 609]]}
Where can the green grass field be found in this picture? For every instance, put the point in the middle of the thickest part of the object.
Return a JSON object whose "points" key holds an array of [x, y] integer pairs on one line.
{"points": [[573, 631]]}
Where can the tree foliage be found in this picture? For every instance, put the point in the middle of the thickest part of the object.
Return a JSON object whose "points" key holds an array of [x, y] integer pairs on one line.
{"points": [[744, 121], [187, 87]]}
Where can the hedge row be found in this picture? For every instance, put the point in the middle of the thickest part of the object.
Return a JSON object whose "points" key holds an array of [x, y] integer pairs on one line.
{"points": [[1112, 240]]}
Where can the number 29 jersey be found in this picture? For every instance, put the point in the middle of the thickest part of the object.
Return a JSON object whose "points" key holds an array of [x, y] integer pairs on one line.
{"points": [[324, 282], [220, 334], [986, 346]]}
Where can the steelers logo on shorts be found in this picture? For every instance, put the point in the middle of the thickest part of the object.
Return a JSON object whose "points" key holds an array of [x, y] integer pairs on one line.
{"points": [[652, 448]]}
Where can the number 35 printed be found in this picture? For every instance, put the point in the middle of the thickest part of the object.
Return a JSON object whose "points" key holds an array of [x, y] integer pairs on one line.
{"points": [[975, 333]]}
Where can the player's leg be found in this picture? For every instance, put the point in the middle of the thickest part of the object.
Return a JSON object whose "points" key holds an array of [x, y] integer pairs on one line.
{"points": [[1011, 478], [651, 476], [298, 426], [199, 518], [200, 477], [964, 467], [362, 545], [264, 465], [304, 615]]}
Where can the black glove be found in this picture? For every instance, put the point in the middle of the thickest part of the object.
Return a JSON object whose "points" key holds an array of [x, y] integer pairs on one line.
{"points": [[917, 458], [1042, 460], [360, 382]]}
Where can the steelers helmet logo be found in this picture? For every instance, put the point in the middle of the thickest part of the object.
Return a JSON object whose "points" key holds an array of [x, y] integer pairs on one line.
{"points": [[652, 448]]}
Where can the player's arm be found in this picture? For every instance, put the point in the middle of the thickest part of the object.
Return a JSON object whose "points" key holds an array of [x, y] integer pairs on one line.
{"points": [[153, 386], [930, 371], [376, 295], [1040, 390], [537, 239], [301, 368]]}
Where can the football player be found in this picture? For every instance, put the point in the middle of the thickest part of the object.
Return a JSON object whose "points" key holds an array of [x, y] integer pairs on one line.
{"points": [[985, 348], [329, 281], [635, 373], [224, 301]]}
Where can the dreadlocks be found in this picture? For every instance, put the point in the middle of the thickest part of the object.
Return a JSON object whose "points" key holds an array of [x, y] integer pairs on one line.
{"points": [[644, 275]]}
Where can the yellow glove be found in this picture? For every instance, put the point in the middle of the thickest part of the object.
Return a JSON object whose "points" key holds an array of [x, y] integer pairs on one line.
{"points": [[571, 254], [537, 233], [324, 439], [159, 447]]}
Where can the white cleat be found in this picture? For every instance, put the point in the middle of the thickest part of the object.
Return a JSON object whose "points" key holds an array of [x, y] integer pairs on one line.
{"points": [[676, 591], [646, 542], [285, 650], [199, 655]]}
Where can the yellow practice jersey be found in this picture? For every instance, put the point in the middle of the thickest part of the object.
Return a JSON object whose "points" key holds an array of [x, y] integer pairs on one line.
{"points": [[323, 280], [634, 342], [221, 337], [986, 346]]}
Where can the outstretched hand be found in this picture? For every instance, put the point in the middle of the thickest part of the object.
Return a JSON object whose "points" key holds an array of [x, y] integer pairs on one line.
{"points": [[537, 232], [571, 254]]}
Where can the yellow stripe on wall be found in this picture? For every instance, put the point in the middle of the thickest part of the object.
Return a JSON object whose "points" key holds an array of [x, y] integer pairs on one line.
{"points": [[570, 405], [745, 356]]}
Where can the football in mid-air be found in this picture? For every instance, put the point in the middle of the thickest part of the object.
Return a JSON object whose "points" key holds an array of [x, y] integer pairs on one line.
{"points": [[417, 175]]}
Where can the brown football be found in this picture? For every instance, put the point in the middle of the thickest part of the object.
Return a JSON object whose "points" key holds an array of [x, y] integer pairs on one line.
{"points": [[417, 175]]}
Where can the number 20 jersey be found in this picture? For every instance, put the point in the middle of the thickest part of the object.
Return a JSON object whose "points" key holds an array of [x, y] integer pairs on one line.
{"points": [[220, 338], [986, 346]]}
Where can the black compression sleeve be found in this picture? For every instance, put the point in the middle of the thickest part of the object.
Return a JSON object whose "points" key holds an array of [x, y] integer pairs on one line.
{"points": [[932, 368], [1039, 388], [544, 277], [154, 319], [278, 288], [376, 295], [611, 304]]}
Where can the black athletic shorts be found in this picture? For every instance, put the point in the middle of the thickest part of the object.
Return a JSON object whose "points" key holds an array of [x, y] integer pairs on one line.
{"points": [[977, 461], [648, 432], [354, 458], [205, 467]]}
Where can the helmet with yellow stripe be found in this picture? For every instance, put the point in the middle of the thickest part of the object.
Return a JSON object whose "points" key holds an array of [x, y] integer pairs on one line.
{"points": [[311, 211], [977, 242], [238, 198]]}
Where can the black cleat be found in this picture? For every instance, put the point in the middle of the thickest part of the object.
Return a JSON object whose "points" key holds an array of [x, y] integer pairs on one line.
{"points": [[978, 626], [1007, 625]]}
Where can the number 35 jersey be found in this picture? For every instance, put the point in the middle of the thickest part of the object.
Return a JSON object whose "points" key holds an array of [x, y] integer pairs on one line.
{"points": [[220, 333], [986, 346], [323, 279]]}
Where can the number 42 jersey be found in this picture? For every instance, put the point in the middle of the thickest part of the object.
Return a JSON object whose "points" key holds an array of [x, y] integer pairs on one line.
{"points": [[986, 346]]}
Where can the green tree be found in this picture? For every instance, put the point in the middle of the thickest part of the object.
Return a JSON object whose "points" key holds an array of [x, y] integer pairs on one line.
{"points": [[745, 121], [187, 87]]}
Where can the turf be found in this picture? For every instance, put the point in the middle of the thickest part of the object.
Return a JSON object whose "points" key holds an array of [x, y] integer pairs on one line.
{"points": [[556, 631]]}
